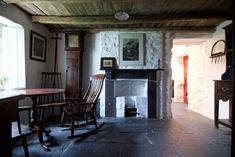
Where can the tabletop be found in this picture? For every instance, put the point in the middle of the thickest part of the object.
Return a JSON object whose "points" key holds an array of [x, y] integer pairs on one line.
{"points": [[10, 94], [40, 91]]}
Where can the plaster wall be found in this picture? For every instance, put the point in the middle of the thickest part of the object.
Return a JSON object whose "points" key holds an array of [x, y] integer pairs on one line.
{"points": [[33, 68]]}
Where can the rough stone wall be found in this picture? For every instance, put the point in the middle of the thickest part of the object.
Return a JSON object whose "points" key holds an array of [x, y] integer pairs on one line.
{"points": [[157, 45], [201, 73], [200, 79], [164, 79]]}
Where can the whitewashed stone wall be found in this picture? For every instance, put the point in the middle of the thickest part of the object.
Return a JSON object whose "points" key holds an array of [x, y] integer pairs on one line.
{"points": [[157, 45], [201, 76], [201, 73], [200, 79]]}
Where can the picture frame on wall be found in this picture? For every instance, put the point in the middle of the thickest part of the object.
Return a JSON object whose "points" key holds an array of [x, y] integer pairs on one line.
{"points": [[38, 47], [72, 41], [107, 63], [131, 49]]}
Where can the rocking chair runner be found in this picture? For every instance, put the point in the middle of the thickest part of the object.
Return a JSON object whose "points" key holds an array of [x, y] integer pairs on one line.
{"points": [[84, 109]]}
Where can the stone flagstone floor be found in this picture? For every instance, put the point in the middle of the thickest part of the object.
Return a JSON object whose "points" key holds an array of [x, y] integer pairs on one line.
{"points": [[187, 134]]}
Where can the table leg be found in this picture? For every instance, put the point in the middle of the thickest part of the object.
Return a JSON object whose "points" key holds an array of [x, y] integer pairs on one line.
{"points": [[36, 123], [230, 110], [5, 139], [216, 113]]}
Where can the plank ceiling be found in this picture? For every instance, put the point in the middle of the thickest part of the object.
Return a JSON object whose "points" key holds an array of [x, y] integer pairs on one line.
{"points": [[172, 15]]}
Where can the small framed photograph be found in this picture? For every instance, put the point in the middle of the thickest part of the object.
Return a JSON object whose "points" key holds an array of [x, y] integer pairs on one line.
{"points": [[72, 41], [131, 49], [38, 46], [107, 63]]}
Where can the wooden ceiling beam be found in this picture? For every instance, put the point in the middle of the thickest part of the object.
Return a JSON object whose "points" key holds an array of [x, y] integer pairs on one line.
{"points": [[107, 20], [184, 29], [64, 1]]}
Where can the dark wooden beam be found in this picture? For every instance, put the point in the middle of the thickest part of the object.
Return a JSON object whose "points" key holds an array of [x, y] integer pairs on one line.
{"points": [[59, 1], [103, 20], [190, 31]]}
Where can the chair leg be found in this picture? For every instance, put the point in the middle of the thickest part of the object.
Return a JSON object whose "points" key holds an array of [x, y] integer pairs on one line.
{"points": [[43, 113], [86, 117], [62, 119], [29, 119], [61, 110], [52, 111], [94, 119], [25, 146], [39, 113], [72, 127], [23, 139]]}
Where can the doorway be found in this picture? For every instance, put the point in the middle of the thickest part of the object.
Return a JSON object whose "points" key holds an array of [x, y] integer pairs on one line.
{"points": [[185, 96], [179, 64]]}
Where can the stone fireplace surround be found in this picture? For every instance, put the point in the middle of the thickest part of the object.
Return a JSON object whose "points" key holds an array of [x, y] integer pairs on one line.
{"points": [[149, 74]]}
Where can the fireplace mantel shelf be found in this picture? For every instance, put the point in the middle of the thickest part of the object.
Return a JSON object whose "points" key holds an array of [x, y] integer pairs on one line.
{"points": [[133, 69], [132, 73]]}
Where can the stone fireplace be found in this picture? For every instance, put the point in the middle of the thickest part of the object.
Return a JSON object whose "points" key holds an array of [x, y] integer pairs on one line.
{"points": [[131, 97], [144, 92], [157, 46]]}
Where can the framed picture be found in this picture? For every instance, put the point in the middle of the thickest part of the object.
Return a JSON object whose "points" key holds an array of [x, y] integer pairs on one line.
{"points": [[131, 49], [72, 41], [38, 46], [107, 63]]}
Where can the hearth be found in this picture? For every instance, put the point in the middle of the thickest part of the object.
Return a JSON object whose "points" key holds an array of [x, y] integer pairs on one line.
{"points": [[130, 111]]}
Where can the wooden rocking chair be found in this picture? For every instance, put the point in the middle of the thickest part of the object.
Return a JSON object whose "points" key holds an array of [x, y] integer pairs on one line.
{"points": [[84, 109]]}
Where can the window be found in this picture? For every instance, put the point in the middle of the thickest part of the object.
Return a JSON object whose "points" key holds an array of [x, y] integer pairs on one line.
{"points": [[12, 53]]}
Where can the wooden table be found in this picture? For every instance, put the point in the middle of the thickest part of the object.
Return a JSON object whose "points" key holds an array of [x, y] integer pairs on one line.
{"points": [[9, 112], [33, 94]]}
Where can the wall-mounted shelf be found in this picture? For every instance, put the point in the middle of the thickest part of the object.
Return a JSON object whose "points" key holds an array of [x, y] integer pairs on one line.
{"points": [[218, 50]]}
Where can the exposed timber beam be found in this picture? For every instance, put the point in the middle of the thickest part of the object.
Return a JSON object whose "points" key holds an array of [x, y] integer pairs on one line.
{"points": [[64, 1], [98, 20], [199, 31]]}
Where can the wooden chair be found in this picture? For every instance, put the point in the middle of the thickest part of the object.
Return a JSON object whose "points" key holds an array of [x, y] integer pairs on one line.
{"points": [[21, 131], [84, 109], [51, 80]]}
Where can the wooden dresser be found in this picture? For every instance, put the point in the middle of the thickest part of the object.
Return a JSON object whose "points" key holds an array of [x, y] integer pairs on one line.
{"points": [[223, 91], [223, 88]]}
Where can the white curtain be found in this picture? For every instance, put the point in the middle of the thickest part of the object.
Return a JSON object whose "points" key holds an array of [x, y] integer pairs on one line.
{"points": [[13, 56]]}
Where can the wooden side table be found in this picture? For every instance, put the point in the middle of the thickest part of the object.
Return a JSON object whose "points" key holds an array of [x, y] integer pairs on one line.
{"points": [[8, 114], [223, 91]]}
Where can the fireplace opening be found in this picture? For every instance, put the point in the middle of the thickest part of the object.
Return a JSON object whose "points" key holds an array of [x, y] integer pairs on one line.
{"points": [[130, 111], [131, 97]]}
